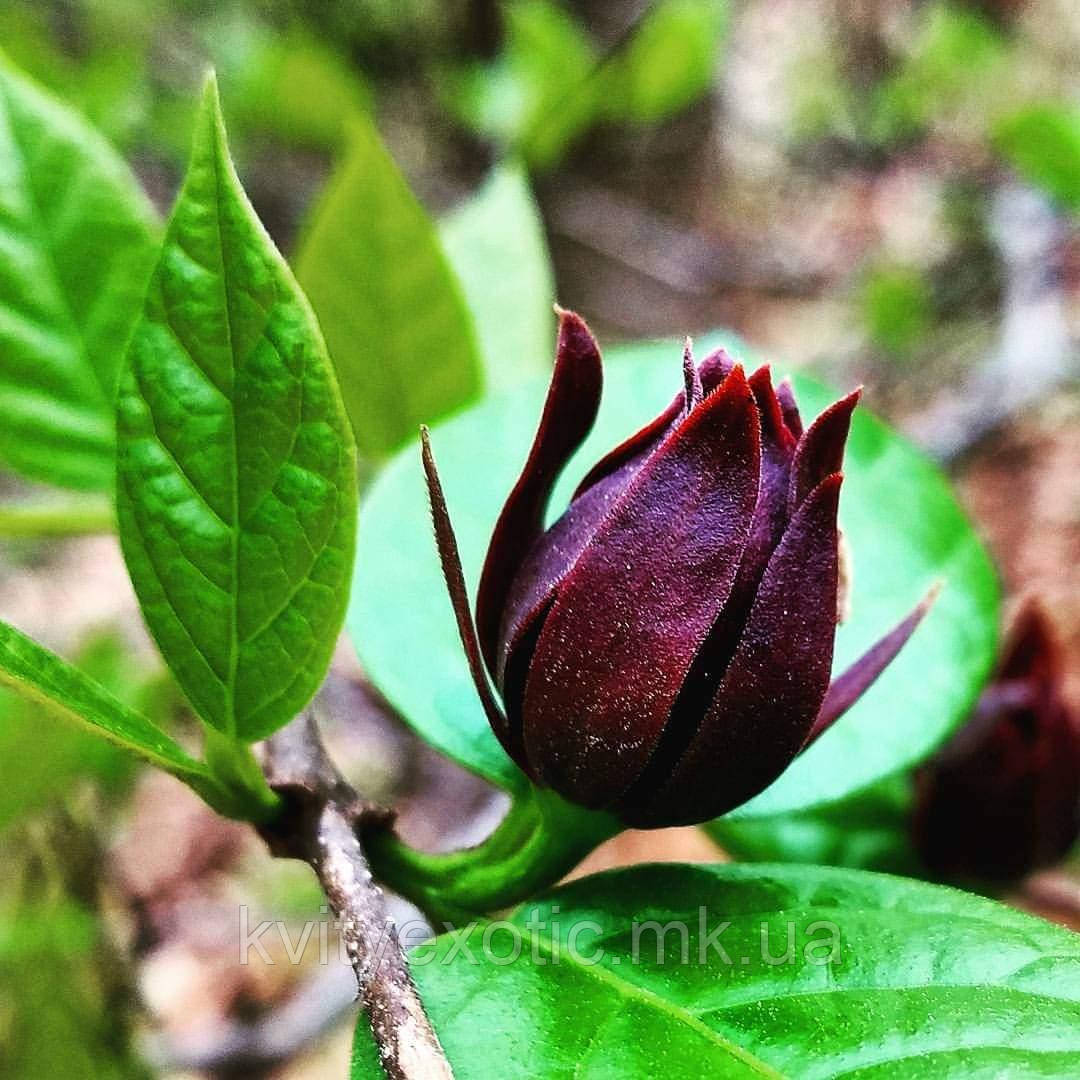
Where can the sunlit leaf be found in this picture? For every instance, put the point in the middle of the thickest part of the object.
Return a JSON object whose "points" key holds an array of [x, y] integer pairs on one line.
{"points": [[236, 483], [52, 756], [495, 243], [63, 692], [389, 305], [752, 971], [77, 240]]}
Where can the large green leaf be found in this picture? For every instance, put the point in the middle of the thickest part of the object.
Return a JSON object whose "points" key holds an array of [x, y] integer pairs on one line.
{"points": [[389, 305], [793, 971], [904, 527], [236, 479], [496, 245], [77, 241]]}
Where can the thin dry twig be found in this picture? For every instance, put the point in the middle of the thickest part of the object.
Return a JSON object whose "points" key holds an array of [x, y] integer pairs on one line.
{"points": [[320, 825]]}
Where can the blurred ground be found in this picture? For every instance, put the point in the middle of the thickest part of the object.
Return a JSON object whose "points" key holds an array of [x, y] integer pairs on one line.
{"points": [[769, 206]]}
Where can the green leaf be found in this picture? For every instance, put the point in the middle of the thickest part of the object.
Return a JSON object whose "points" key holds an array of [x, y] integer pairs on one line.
{"points": [[77, 240], [237, 478], [389, 305], [904, 527], [1042, 142], [896, 307], [286, 73], [957, 59], [868, 830], [496, 245], [884, 978], [668, 63], [45, 681], [51, 757], [540, 94]]}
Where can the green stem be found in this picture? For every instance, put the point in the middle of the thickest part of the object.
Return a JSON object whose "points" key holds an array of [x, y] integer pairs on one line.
{"points": [[539, 841], [234, 770], [74, 517]]}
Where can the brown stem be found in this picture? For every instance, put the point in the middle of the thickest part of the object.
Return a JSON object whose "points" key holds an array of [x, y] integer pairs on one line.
{"points": [[319, 825]]}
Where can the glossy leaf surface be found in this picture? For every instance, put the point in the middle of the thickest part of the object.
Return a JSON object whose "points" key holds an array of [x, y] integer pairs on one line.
{"points": [[236, 481], [51, 684], [752, 971]]}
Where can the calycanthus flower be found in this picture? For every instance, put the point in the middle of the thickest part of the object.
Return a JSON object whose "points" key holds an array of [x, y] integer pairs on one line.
{"points": [[663, 650], [1002, 797]]}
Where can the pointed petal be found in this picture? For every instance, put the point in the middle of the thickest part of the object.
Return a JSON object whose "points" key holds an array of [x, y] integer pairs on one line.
{"points": [[555, 553], [820, 452], [629, 617], [569, 411], [772, 689], [1032, 650], [714, 369], [768, 524], [459, 598], [847, 688], [789, 408]]}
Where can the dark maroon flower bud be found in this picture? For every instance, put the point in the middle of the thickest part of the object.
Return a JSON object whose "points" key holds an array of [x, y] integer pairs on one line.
{"points": [[663, 650], [1003, 796]]}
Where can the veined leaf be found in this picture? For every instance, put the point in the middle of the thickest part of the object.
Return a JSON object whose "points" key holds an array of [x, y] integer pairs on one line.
{"points": [[398, 331], [496, 245], [43, 679], [77, 241], [751, 971], [236, 468]]}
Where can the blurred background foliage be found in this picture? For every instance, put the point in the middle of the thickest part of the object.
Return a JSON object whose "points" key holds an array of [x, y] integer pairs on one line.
{"points": [[884, 191]]}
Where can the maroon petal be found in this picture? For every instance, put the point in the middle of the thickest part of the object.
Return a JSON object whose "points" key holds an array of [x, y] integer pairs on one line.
{"points": [[846, 689], [820, 451], [772, 689], [555, 553], [634, 449], [459, 597], [632, 613], [553, 556], [714, 369], [1032, 651], [569, 411], [766, 529], [770, 513], [789, 408]]}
